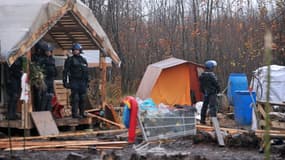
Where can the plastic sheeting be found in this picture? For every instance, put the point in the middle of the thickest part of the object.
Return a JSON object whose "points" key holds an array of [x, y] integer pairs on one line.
{"points": [[20, 20], [277, 83]]}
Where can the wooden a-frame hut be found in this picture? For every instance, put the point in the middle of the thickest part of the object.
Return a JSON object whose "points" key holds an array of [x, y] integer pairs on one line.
{"points": [[62, 22]]}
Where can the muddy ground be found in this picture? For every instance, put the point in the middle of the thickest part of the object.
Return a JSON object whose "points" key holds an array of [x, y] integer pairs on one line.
{"points": [[179, 149], [185, 148]]}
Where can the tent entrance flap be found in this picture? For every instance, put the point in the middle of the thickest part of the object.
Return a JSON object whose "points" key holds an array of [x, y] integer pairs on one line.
{"points": [[173, 86]]}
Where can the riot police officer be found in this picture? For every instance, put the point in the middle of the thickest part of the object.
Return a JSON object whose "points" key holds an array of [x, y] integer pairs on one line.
{"points": [[47, 63], [209, 87], [76, 77], [14, 87], [37, 91], [38, 52]]}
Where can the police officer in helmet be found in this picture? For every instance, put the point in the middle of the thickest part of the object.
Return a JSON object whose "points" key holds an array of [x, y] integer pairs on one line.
{"points": [[14, 87], [47, 63], [76, 77], [209, 87]]}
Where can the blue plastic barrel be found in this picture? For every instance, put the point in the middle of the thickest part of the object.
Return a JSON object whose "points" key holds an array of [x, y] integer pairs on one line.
{"points": [[236, 81], [243, 106]]}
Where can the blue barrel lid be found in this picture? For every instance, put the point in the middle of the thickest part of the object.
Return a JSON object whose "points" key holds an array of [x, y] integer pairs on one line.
{"points": [[237, 74], [244, 92]]}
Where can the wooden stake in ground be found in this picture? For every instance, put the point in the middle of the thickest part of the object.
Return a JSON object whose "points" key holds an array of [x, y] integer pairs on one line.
{"points": [[218, 132]]}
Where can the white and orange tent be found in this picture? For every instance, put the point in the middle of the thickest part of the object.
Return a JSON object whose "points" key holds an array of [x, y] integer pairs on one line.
{"points": [[171, 81]]}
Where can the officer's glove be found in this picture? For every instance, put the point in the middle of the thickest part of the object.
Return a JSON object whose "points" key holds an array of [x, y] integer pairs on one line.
{"points": [[66, 85]]}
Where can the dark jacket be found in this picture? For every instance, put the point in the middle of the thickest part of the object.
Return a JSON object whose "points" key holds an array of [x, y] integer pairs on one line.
{"points": [[76, 68], [209, 83], [14, 76], [47, 63], [16, 70]]}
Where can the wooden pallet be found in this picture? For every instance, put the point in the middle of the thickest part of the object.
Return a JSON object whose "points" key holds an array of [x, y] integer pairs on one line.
{"points": [[275, 124]]}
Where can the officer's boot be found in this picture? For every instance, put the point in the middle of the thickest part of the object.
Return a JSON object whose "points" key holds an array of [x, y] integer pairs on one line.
{"points": [[203, 115], [43, 102], [11, 115], [203, 119], [74, 104], [12, 108]]}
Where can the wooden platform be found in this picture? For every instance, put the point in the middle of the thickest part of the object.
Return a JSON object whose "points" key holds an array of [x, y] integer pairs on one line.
{"points": [[66, 121], [69, 121], [13, 124]]}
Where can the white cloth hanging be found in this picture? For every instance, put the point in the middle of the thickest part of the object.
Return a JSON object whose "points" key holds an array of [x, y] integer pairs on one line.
{"points": [[25, 88]]}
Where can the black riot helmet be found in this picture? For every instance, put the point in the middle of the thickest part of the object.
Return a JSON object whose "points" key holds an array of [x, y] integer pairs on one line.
{"points": [[77, 46], [47, 47]]}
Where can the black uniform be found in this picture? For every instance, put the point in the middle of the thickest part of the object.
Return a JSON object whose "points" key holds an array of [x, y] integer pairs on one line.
{"points": [[47, 63], [14, 87], [76, 77], [209, 87], [37, 92]]}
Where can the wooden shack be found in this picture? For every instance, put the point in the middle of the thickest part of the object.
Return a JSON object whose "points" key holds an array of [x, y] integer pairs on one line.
{"points": [[60, 22]]}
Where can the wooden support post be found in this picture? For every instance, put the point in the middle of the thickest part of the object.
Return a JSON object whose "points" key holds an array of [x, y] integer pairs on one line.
{"points": [[27, 107], [103, 67]]}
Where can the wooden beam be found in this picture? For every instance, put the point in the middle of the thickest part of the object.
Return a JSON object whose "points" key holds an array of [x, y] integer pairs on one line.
{"points": [[78, 35], [103, 81], [61, 135], [66, 143], [218, 131], [64, 29], [106, 120], [81, 38], [273, 103], [233, 131]]}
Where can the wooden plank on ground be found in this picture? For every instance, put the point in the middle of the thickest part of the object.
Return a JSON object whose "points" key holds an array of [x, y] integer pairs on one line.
{"points": [[70, 143], [54, 143], [44, 123], [259, 133], [61, 135], [218, 131]]}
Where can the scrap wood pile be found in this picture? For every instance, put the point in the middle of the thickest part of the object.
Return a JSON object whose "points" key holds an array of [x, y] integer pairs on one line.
{"points": [[63, 142], [236, 137], [276, 114], [111, 117]]}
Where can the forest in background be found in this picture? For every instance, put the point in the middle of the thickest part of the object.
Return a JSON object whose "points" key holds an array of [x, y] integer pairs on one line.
{"points": [[230, 31]]}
